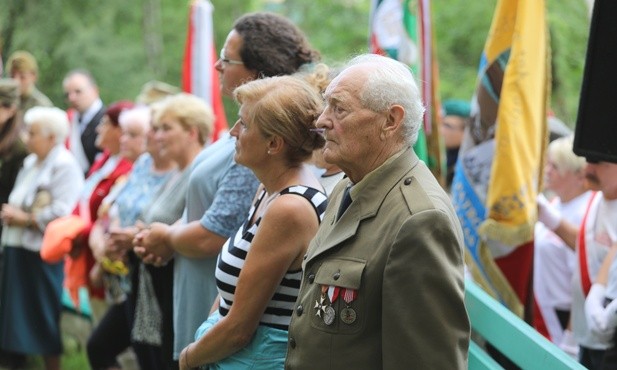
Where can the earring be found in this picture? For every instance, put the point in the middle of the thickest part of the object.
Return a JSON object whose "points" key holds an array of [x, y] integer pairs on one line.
{"points": [[269, 152]]}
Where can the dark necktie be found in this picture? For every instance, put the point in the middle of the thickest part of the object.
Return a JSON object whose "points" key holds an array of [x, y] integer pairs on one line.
{"points": [[80, 119], [345, 203]]}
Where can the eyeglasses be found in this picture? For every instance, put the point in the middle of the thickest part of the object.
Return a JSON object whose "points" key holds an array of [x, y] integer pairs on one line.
{"points": [[228, 61]]}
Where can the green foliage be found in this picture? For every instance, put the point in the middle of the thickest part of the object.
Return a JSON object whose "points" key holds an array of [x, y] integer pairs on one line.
{"points": [[339, 29], [460, 32], [461, 29], [125, 44], [569, 28]]}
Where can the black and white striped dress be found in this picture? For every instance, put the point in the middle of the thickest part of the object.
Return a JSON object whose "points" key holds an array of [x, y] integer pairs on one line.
{"points": [[232, 257]]}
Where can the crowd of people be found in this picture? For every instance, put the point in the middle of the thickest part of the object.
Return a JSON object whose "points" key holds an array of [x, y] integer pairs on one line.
{"points": [[312, 228], [186, 253]]}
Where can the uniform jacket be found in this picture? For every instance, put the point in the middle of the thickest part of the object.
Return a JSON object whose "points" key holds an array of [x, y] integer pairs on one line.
{"points": [[399, 246]]}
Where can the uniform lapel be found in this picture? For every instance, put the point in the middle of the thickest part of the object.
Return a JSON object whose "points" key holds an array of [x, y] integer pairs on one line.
{"points": [[366, 203]]}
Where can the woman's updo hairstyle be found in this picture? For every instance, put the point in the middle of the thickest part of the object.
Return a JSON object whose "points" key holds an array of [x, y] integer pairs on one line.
{"points": [[288, 107]]}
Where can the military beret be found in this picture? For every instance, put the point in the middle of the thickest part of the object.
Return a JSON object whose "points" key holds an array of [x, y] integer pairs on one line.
{"points": [[454, 107]]}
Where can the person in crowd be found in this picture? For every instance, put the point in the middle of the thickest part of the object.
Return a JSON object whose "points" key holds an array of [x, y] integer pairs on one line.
{"points": [[261, 45], [46, 188], [22, 67], [12, 154], [110, 169], [112, 235], [185, 125], [154, 91], [455, 117], [220, 190], [259, 269], [109, 346], [82, 95], [593, 239], [12, 149], [331, 174], [389, 228], [554, 260], [601, 307]]}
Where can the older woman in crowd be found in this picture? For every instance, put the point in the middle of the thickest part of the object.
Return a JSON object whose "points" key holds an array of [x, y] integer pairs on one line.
{"points": [[113, 234], [110, 169], [554, 260], [185, 124], [259, 270], [134, 125], [46, 188]]}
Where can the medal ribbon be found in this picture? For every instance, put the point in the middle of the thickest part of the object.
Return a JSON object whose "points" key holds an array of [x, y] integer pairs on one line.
{"points": [[349, 295], [333, 293]]}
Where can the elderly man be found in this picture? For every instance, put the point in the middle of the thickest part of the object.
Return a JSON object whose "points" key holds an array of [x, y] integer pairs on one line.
{"points": [[82, 94], [383, 279]]}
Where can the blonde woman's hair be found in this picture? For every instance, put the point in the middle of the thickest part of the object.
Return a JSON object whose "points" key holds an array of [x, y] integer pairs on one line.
{"points": [[190, 111], [288, 107]]}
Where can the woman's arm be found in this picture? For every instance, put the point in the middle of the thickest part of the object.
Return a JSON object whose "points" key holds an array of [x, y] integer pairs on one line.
{"points": [[274, 251], [205, 237]]}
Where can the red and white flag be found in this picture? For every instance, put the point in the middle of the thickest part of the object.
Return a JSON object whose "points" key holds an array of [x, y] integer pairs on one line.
{"points": [[198, 74]]}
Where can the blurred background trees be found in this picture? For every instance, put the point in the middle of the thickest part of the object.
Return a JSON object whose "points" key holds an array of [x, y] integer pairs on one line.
{"points": [[127, 43]]}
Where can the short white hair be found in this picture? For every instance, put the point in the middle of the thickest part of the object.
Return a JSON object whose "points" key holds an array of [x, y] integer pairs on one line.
{"points": [[561, 153], [140, 115], [51, 120], [391, 82]]}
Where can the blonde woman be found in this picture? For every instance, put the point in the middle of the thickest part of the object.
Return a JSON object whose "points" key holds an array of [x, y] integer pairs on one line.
{"points": [[259, 269]]}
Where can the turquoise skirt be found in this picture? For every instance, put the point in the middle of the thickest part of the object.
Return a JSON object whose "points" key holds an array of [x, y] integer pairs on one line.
{"points": [[266, 350]]}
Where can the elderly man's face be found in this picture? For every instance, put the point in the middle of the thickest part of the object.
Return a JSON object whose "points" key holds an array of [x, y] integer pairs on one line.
{"points": [[351, 131]]}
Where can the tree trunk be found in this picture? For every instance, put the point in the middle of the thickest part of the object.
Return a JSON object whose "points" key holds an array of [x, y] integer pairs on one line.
{"points": [[153, 40]]}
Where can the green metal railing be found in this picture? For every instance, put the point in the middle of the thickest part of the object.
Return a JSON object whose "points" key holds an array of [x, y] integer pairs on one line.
{"points": [[513, 337]]}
